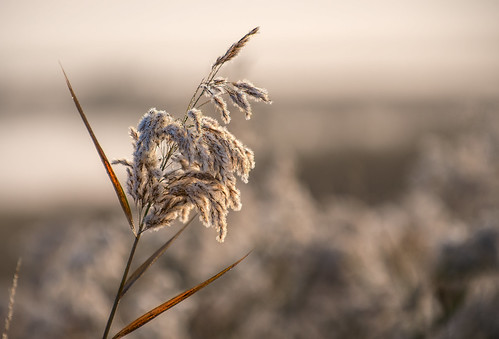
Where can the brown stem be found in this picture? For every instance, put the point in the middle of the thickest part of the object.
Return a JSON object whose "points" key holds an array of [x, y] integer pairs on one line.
{"points": [[122, 284]]}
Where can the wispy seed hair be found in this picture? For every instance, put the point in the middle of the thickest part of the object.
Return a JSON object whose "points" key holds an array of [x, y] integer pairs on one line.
{"points": [[239, 92], [233, 50], [192, 163], [255, 93]]}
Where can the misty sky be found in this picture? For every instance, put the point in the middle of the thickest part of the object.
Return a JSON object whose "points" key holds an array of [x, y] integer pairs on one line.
{"points": [[307, 50], [343, 46]]}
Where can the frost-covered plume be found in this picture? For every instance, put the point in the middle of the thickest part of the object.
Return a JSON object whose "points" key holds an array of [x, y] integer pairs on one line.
{"points": [[192, 163], [239, 92], [178, 166]]}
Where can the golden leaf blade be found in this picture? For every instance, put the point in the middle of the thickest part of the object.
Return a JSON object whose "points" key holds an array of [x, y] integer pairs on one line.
{"points": [[110, 172], [145, 318]]}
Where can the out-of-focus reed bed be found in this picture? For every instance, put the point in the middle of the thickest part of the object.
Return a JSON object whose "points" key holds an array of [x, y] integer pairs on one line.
{"points": [[424, 265], [421, 264]]}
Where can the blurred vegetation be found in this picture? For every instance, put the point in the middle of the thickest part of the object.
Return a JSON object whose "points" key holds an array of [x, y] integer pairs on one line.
{"points": [[348, 243]]}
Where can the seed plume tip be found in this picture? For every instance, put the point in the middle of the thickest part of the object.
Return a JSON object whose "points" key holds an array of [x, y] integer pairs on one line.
{"points": [[235, 48]]}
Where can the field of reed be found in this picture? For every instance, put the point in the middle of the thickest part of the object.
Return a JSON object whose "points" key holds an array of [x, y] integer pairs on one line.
{"points": [[364, 220]]}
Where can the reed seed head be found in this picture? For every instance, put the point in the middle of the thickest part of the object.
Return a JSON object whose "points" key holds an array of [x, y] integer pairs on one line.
{"points": [[197, 171], [234, 50], [192, 163]]}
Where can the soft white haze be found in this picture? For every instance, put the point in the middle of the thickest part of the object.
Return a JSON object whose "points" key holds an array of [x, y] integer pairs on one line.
{"points": [[313, 50]]}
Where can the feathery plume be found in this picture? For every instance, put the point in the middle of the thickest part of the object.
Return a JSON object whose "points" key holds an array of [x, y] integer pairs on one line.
{"points": [[255, 93], [233, 50], [201, 171], [221, 106], [192, 163], [240, 100]]}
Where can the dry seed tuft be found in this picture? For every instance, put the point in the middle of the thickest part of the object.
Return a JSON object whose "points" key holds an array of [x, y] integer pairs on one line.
{"points": [[239, 92], [233, 50], [198, 170], [255, 93], [183, 164]]}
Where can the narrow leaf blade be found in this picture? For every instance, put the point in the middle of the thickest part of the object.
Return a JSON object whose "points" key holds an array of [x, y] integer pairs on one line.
{"points": [[144, 319], [148, 263], [110, 172]]}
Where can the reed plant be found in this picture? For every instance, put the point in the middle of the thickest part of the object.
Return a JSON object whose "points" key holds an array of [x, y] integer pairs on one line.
{"points": [[181, 165]]}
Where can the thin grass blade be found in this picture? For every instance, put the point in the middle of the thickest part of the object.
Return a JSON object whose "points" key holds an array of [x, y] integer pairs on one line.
{"points": [[114, 180], [148, 263], [144, 319], [12, 298]]}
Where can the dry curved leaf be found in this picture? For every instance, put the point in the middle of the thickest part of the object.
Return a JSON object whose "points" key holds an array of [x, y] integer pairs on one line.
{"points": [[145, 318], [114, 180]]}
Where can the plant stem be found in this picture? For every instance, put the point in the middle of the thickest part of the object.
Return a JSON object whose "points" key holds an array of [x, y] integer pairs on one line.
{"points": [[195, 98], [122, 284]]}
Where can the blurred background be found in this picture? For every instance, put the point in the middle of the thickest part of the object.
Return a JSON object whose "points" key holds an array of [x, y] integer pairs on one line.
{"points": [[372, 211]]}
